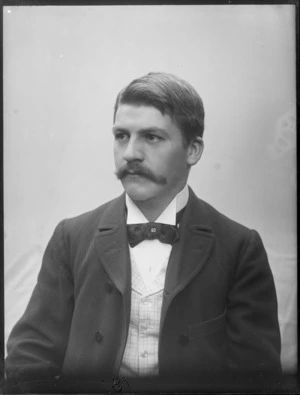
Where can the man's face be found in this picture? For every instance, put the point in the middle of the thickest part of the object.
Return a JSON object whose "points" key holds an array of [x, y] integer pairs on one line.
{"points": [[150, 157]]}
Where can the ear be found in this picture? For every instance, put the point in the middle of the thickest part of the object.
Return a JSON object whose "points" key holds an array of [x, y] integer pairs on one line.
{"points": [[195, 150]]}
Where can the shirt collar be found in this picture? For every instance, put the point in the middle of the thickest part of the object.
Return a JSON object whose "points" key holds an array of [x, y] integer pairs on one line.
{"points": [[168, 216]]}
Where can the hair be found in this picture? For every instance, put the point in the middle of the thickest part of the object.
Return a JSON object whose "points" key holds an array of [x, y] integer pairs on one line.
{"points": [[170, 95]]}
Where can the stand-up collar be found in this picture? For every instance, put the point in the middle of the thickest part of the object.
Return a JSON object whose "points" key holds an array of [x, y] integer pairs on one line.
{"points": [[168, 216]]}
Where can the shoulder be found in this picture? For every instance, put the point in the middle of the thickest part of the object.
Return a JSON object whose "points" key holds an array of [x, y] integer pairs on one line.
{"points": [[234, 242], [222, 221], [89, 221], [228, 233], [216, 220]]}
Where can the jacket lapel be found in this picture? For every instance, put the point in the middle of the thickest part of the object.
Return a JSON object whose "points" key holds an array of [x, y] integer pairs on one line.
{"points": [[188, 256], [191, 252], [112, 247]]}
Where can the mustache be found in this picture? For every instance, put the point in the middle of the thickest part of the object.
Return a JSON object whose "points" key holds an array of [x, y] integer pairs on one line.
{"points": [[136, 169]]}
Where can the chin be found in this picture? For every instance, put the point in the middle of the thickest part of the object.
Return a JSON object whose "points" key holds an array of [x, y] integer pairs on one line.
{"points": [[137, 195], [138, 192]]}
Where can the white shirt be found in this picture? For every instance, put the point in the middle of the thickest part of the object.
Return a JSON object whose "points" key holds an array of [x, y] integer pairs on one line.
{"points": [[149, 260], [149, 255]]}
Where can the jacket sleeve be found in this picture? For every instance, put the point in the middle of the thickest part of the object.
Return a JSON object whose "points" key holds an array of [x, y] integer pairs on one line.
{"points": [[37, 343], [252, 317]]}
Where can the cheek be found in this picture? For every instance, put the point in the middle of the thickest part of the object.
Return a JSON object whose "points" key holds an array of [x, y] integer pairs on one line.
{"points": [[175, 164], [117, 155]]}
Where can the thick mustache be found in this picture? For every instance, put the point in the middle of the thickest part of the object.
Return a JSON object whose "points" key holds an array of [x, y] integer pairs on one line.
{"points": [[137, 169]]}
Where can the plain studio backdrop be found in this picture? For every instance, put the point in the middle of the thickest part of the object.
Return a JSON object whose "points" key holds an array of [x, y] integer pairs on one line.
{"points": [[63, 68]]}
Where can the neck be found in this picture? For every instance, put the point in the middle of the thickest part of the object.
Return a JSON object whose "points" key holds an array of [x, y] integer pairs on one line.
{"points": [[152, 208]]}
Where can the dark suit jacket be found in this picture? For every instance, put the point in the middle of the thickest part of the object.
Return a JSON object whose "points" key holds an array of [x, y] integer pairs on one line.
{"points": [[219, 310]]}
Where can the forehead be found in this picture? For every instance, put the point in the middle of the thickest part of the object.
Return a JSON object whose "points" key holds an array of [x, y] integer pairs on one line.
{"points": [[142, 116]]}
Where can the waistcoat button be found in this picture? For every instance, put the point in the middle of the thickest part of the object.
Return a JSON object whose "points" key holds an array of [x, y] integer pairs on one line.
{"points": [[183, 340], [109, 288], [98, 337]]}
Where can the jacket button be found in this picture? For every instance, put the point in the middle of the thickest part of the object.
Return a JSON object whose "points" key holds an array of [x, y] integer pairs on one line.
{"points": [[109, 288], [183, 340], [98, 337]]}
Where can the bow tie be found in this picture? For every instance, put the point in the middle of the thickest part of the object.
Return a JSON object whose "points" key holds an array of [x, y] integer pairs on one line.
{"points": [[151, 230]]}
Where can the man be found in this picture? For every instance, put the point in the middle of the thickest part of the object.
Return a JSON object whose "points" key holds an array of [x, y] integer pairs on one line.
{"points": [[155, 283]]}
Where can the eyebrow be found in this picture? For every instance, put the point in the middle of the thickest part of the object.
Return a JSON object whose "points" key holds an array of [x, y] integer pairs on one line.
{"points": [[150, 129]]}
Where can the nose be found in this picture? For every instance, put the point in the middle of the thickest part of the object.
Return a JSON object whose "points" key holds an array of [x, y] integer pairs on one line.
{"points": [[133, 151]]}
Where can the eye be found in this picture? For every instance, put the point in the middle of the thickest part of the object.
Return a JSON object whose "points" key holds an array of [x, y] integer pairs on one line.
{"points": [[153, 138], [121, 136]]}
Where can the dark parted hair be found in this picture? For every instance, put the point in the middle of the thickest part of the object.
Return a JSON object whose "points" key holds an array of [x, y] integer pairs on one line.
{"points": [[170, 95]]}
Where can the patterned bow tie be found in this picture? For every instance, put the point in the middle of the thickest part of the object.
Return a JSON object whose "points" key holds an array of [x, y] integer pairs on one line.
{"points": [[151, 230]]}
